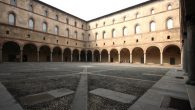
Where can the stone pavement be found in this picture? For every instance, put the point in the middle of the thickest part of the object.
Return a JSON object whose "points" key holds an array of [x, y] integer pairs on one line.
{"points": [[113, 95], [81, 96], [168, 86], [7, 102], [45, 96]]}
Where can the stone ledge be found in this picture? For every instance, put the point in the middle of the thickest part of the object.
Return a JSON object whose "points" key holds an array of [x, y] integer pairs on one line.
{"points": [[45, 96], [191, 95], [113, 95], [7, 102]]}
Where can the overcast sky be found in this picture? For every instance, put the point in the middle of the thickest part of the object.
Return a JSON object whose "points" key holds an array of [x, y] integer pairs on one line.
{"points": [[90, 9]]}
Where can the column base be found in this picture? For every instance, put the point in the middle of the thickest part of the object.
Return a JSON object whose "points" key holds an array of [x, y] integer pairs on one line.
{"points": [[190, 82]]}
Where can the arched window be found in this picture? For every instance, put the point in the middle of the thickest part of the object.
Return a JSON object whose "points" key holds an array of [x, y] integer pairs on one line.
{"points": [[83, 36], [137, 29], [169, 23], [89, 37], [152, 11], [12, 19], [13, 2], [82, 26], [104, 23], [96, 25], [75, 34], [45, 13], [113, 21], [44, 27], [113, 33], [96, 36], [67, 32], [103, 34], [124, 18], [31, 23], [75, 24], [57, 17], [30, 7], [137, 15], [125, 31], [152, 26], [67, 20], [169, 7], [56, 30]]}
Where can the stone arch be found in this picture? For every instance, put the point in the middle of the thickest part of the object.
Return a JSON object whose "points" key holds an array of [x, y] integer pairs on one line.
{"points": [[29, 52], [11, 51], [89, 56], [75, 55], [153, 55], [172, 55], [67, 55], [124, 55], [114, 55], [83, 55], [57, 54], [96, 56], [138, 55], [104, 55], [44, 53]]}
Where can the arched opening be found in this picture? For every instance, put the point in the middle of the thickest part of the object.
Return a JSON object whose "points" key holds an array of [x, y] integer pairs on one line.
{"points": [[57, 54], [29, 53], [67, 55], [44, 55], [96, 56], [113, 55], [83, 56], [138, 55], [11, 52], [75, 55], [153, 55], [104, 56], [125, 55], [89, 56], [172, 55]]}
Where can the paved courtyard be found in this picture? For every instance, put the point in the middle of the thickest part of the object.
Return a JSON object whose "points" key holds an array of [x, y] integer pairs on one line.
{"points": [[78, 86]]}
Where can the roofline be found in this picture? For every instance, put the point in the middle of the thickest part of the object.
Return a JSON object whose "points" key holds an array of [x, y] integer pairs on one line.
{"points": [[122, 10], [116, 12], [59, 10]]}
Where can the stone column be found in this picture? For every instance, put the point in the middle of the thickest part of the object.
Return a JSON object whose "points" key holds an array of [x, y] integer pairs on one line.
{"points": [[100, 58], [62, 57], [131, 58], [109, 58], [144, 58], [79, 56], [161, 58], [191, 50], [1, 59], [38, 52], [21, 54], [119, 58], [51, 56], [185, 56], [92, 57], [71, 55]]}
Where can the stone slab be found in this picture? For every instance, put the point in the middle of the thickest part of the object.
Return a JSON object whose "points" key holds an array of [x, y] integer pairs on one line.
{"points": [[191, 95], [45, 96], [113, 95], [7, 102]]}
